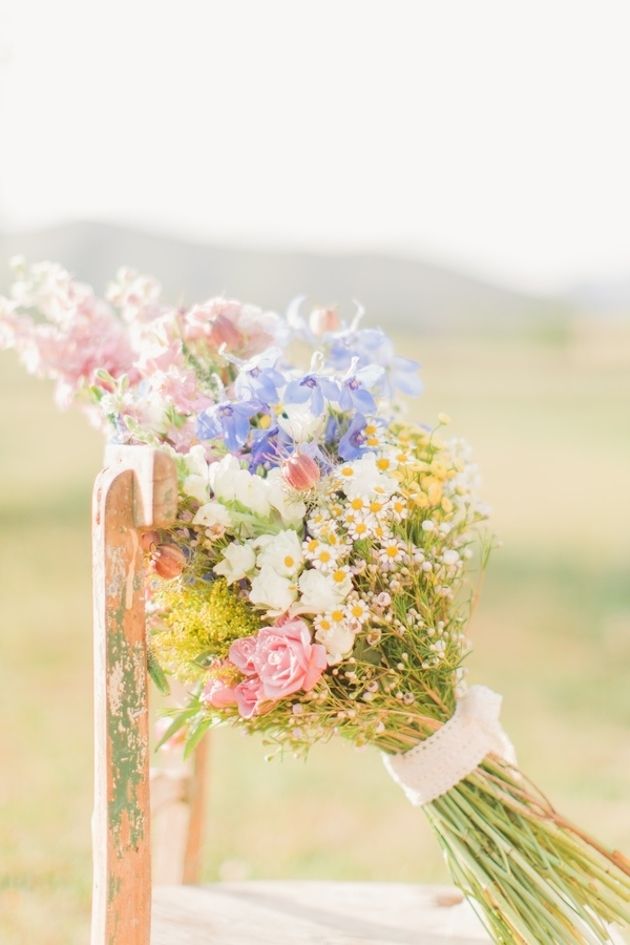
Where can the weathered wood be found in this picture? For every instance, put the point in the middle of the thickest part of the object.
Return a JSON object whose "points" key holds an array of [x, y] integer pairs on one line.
{"points": [[177, 817], [196, 802], [313, 913], [137, 489]]}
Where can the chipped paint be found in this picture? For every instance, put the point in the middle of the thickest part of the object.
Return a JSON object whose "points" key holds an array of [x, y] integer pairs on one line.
{"points": [[128, 747]]}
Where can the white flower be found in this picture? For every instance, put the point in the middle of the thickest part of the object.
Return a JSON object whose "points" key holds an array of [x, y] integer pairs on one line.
{"points": [[222, 477], [233, 484], [212, 514], [251, 491], [287, 502], [362, 477], [358, 610], [282, 552], [336, 636], [320, 592], [299, 421], [196, 483], [272, 590], [238, 561], [450, 557]]}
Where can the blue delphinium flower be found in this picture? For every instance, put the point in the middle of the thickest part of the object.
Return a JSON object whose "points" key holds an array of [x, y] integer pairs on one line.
{"points": [[352, 443], [371, 346], [228, 420], [356, 386], [259, 379], [314, 390]]}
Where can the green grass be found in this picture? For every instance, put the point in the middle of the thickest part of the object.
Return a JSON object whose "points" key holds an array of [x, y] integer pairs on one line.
{"points": [[549, 423]]}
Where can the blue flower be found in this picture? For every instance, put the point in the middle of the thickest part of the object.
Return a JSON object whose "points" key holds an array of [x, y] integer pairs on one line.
{"points": [[314, 389], [228, 420], [355, 387], [259, 379], [371, 346], [352, 443]]}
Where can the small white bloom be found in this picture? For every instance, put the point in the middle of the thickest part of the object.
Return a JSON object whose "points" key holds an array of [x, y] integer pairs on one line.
{"points": [[320, 592], [238, 561], [222, 477], [363, 477], [272, 590], [428, 525], [337, 638], [299, 421], [196, 483], [212, 514], [251, 492], [450, 557], [286, 501], [357, 610], [282, 552]]}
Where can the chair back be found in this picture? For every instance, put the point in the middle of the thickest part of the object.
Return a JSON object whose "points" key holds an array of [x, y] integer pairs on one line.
{"points": [[136, 490]]}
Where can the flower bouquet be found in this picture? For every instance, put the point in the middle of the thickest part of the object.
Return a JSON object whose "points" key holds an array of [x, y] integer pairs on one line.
{"points": [[316, 581]]}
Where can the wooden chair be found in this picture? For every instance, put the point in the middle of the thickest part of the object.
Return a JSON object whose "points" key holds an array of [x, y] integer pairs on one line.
{"points": [[138, 490]]}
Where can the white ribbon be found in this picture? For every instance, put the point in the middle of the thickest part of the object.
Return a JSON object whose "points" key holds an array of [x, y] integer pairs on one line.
{"points": [[453, 752]]}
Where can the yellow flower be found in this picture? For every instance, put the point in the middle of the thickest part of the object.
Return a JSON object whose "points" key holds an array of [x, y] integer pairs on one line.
{"points": [[198, 620]]}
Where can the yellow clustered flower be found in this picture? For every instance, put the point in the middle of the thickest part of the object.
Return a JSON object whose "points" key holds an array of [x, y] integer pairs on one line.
{"points": [[198, 619], [422, 472]]}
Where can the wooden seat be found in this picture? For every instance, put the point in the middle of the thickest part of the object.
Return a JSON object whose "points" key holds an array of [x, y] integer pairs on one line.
{"points": [[138, 490], [312, 913]]}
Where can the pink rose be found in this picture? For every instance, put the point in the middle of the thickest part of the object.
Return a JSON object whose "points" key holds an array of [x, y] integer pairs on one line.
{"points": [[248, 696], [219, 694], [286, 660], [242, 655]]}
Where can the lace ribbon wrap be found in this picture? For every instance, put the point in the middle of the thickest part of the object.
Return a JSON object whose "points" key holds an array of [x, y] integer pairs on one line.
{"points": [[449, 755]]}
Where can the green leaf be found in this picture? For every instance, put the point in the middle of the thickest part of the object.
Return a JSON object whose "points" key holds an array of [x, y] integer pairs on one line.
{"points": [[196, 735], [158, 675]]}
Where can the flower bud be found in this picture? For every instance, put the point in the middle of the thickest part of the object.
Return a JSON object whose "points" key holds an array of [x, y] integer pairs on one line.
{"points": [[300, 472], [149, 540], [322, 320], [168, 561]]}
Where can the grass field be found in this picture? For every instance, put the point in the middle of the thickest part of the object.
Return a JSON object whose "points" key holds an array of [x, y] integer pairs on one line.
{"points": [[550, 425]]}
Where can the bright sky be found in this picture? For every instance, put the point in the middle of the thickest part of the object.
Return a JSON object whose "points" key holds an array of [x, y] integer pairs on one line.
{"points": [[492, 134]]}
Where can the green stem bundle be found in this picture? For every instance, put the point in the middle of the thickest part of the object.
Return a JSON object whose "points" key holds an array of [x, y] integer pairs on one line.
{"points": [[533, 877]]}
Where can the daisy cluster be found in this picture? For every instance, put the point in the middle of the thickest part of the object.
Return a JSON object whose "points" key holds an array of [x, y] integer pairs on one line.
{"points": [[312, 581]]}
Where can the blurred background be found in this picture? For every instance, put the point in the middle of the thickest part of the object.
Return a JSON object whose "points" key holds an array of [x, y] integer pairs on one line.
{"points": [[462, 170]]}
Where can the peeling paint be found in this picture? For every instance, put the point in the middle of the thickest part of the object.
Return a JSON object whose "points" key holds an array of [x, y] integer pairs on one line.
{"points": [[128, 747]]}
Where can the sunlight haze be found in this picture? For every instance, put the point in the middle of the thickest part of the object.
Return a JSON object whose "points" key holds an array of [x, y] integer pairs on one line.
{"points": [[491, 135]]}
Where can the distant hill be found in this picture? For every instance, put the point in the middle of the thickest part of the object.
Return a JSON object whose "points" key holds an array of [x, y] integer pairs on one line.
{"points": [[399, 293]]}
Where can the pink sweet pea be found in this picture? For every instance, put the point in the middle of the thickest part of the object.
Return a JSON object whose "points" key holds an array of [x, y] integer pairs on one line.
{"points": [[286, 661]]}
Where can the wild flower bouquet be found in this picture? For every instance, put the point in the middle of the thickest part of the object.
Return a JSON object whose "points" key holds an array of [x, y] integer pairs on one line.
{"points": [[315, 582]]}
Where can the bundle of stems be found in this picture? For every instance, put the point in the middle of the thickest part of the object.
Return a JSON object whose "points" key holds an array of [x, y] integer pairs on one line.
{"points": [[533, 877]]}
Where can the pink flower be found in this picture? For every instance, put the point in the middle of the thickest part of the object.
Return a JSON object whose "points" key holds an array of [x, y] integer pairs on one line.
{"points": [[219, 694], [323, 320], [300, 472], [286, 660], [242, 655], [248, 696]]}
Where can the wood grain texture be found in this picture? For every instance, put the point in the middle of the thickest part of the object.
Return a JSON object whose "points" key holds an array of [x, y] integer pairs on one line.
{"points": [[313, 913], [136, 490]]}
